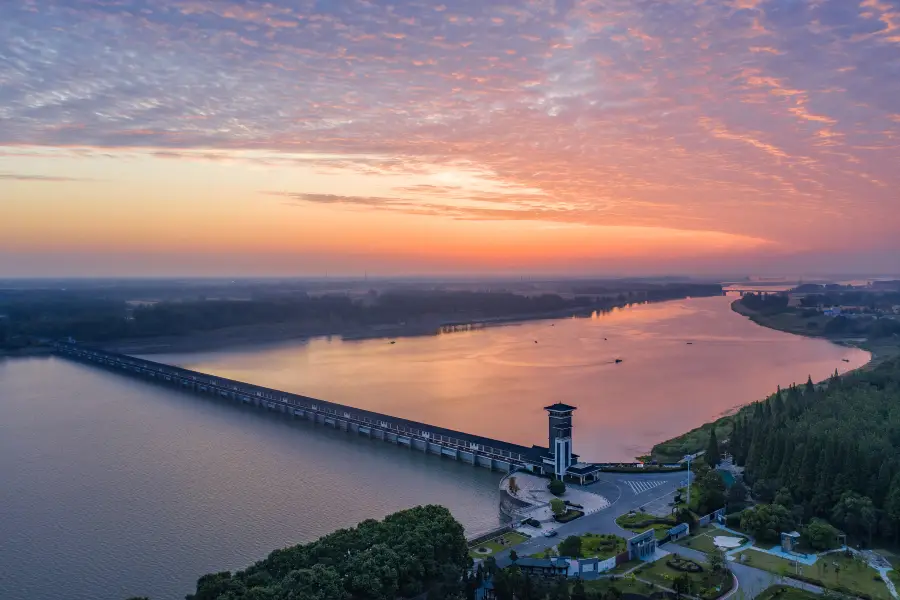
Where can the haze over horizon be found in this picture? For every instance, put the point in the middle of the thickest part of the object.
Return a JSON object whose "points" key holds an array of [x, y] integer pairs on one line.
{"points": [[293, 137]]}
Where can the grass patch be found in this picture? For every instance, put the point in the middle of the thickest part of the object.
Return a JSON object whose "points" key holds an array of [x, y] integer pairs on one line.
{"points": [[705, 540], [626, 566], [498, 544], [852, 575], [627, 585], [601, 546], [640, 522], [786, 592]]}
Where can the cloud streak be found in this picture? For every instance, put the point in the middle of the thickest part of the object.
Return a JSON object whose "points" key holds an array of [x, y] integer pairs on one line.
{"points": [[753, 117]]}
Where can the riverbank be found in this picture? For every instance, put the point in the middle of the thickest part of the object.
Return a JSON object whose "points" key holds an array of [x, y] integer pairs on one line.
{"points": [[792, 322], [696, 439]]}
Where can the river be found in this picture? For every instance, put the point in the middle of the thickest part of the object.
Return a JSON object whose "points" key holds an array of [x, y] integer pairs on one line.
{"points": [[114, 487]]}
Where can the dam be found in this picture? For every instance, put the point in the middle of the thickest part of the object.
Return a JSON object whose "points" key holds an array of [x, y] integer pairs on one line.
{"points": [[558, 459]]}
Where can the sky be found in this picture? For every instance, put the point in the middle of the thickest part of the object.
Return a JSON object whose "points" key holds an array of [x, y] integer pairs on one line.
{"points": [[298, 137]]}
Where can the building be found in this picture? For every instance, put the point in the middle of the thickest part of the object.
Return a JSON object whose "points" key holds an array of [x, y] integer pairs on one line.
{"points": [[547, 567], [643, 545], [560, 457], [679, 531], [790, 540]]}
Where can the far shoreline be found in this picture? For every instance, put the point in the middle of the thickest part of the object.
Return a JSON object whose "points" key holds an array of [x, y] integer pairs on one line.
{"points": [[243, 337]]}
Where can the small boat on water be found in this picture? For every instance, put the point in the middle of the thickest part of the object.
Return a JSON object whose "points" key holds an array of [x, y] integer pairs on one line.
{"points": [[618, 360], [845, 359], [690, 343], [393, 341]]}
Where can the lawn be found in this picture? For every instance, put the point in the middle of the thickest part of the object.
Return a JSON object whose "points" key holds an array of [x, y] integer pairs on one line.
{"points": [[706, 583], [631, 520], [703, 541], [627, 585], [601, 546], [852, 575], [636, 522], [593, 545], [626, 566], [498, 544], [786, 592]]}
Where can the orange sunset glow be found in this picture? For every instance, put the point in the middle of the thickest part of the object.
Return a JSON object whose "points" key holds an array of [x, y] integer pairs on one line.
{"points": [[288, 138]]}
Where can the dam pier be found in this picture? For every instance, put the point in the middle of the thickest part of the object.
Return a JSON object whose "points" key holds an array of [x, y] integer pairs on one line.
{"points": [[557, 460]]}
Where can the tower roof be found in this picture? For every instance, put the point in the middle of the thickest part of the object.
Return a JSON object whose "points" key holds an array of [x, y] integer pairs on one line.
{"points": [[559, 406]]}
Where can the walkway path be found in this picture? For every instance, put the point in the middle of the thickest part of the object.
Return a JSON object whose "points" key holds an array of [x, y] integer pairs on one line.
{"points": [[752, 581]]}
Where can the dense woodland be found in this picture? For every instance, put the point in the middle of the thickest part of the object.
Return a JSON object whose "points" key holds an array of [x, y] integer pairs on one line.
{"points": [[829, 451], [26, 315], [411, 552]]}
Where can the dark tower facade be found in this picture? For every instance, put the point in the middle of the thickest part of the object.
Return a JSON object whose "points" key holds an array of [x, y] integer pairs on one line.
{"points": [[560, 422]]}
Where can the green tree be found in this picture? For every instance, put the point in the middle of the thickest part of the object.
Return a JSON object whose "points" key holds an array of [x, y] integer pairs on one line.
{"points": [[892, 505], [717, 561], [683, 585], [571, 546], [560, 590], [736, 497], [784, 498], [712, 455], [558, 507], [712, 492], [557, 487], [767, 521], [513, 555], [684, 515], [820, 535], [578, 591], [855, 514]]}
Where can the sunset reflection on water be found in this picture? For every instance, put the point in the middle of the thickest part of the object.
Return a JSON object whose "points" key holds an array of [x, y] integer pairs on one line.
{"points": [[683, 363]]}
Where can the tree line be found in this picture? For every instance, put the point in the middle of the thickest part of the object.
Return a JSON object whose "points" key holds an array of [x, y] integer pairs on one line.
{"points": [[827, 453], [411, 552], [88, 317]]}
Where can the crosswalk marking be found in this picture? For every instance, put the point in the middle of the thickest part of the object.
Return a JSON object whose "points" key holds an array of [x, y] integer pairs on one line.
{"points": [[641, 485]]}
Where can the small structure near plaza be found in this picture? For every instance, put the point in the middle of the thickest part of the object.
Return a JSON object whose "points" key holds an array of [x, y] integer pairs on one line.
{"points": [[790, 541], [547, 567], [679, 531], [642, 546]]}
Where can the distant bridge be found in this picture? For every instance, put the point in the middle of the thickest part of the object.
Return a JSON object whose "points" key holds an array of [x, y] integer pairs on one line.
{"points": [[476, 450]]}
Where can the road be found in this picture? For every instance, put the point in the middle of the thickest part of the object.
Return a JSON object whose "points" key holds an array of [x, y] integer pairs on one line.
{"points": [[633, 491], [625, 492]]}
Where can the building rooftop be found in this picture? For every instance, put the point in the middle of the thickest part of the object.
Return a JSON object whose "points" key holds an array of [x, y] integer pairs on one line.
{"points": [[560, 407], [583, 468], [544, 563]]}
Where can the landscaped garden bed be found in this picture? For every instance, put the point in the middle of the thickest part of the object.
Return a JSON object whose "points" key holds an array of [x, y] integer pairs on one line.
{"points": [[570, 515], [705, 583]]}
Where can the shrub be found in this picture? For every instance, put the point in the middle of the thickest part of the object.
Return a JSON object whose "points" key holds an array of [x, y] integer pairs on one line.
{"points": [[684, 565], [557, 487]]}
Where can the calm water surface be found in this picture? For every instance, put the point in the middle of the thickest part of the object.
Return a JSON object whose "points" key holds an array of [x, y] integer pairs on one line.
{"points": [[495, 381], [111, 487]]}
